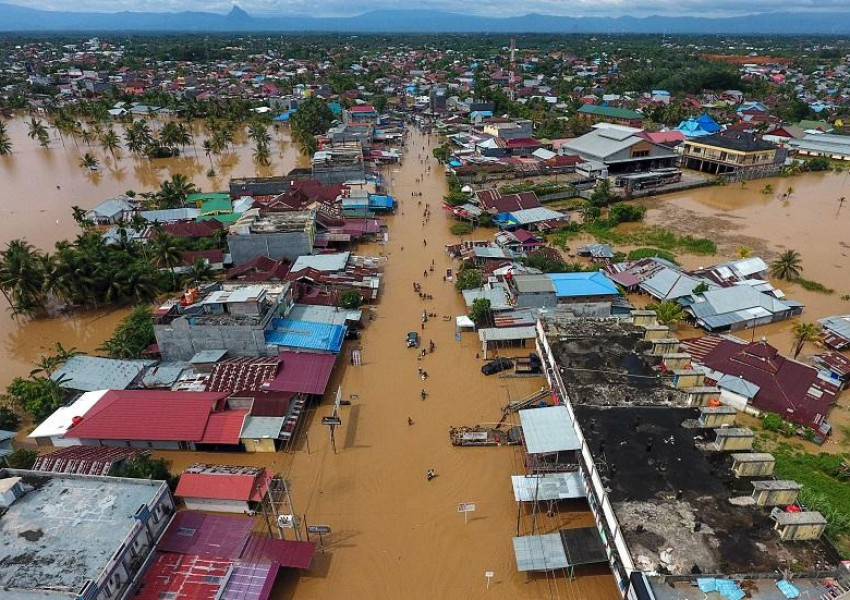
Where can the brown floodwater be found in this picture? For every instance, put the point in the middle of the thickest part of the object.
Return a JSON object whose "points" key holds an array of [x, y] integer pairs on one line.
{"points": [[38, 187], [396, 535]]}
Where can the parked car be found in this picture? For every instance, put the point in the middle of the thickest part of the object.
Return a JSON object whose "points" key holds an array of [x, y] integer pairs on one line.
{"points": [[412, 339], [497, 366]]}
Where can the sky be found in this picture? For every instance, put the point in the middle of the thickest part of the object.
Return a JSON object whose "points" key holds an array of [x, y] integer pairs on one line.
{"points": [[505, 8]]}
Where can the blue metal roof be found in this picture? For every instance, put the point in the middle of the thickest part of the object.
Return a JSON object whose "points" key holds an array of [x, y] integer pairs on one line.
{"points": [[582, 284], [308, 335]]}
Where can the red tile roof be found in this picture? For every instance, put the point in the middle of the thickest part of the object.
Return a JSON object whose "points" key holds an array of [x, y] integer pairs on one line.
{"points": [[191, 229], [148, 415], [261, 269], [511, 202], [224, 427], [249, 486], [305, 372], [523, 143], [87, 460]]}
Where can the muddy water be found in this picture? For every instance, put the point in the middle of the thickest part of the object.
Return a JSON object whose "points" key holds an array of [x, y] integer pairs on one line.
{"points": [[38, 188], [809, 220], [396, 535]]}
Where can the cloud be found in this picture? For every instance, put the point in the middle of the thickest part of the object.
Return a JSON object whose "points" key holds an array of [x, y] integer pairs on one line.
{"points": [[496, 8]]}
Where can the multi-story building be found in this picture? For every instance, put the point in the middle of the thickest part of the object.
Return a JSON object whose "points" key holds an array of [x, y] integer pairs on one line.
{"points": [[732, 153]]}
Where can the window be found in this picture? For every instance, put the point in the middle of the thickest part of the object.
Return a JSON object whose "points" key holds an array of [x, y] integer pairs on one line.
{"points": [[640, 153], [185, 531]]}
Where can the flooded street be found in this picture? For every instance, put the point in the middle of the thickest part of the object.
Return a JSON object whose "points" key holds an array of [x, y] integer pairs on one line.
{"points": [[39, 186], [396, 535]]}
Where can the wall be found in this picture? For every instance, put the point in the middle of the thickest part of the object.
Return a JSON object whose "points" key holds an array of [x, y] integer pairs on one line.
{"points": [[536, 300], [263, 445], [178, 341], [289, 245], [228, 506]]}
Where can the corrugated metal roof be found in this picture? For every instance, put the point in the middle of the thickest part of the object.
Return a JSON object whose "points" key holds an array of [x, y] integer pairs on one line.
{"points": [[216, 536], [497, 296], [90, 373], [303, 372], [332, 315], [248, 487], [321, 262], [540, 553], [548, 430], [506, 334], [571, 285], [145, 415], [307, 335], [549, 486], [262, 428], [60, 421], [224, 427]]}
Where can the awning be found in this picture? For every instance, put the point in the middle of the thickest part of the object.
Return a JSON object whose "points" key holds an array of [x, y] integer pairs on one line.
{"points": [[550, 486], [464, 322]]}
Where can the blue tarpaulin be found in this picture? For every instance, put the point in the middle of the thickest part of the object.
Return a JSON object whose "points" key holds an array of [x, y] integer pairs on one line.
{"points": [[725, 587], [788, 590]]}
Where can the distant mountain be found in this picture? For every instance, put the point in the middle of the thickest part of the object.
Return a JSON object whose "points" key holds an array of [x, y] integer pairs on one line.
{"points": [[19, 18]]}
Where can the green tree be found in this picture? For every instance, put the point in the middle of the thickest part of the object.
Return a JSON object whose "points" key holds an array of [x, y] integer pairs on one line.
{"points": [[480, 312], [804, 332], [38, 396], [602, 194], [37, 130], [199, 271], [312, 118], [700, 288], [351, 300], [468, 279], [461, 228], [667, 312], [9, 420], [79, 216], [144, 467], [133, 335], [787, 266], [22, 459], [21, 277]]}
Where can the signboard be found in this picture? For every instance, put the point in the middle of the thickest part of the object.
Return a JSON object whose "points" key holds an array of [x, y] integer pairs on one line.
{"points": [[286, 521], [465, 507], [331, 421], [319, 529]]}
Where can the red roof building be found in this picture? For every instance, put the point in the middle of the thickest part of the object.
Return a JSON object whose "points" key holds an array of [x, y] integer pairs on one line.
{"points": [[755, 374], [303, 372], [242, 374], [261, 269], [221, 488], [160, 419]]}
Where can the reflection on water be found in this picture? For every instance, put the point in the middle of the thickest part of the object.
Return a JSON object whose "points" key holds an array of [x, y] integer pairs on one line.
{"points": [[38, 187]]}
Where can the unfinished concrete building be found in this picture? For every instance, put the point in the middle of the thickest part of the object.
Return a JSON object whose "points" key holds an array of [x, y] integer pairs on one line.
{"points": [[76, 537], [678, 502], [273, 235], [224, 317], [339, 163]]}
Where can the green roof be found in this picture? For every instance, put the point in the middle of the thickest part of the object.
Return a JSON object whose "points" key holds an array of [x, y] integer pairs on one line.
{"points": [[205, 196], [216, 205], [226, 218], [608, 111], [822, 125]]}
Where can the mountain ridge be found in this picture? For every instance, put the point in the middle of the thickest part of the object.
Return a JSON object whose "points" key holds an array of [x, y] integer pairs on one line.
{"points": [[16, 18]]}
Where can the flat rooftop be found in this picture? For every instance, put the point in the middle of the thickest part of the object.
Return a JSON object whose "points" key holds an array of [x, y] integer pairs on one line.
{"points": [[671, 498], [63, 531], [607, 362]]}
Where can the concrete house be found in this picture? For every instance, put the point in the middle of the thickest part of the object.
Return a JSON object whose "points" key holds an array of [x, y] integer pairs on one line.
{"points": [[274, 235], [729, 152]]}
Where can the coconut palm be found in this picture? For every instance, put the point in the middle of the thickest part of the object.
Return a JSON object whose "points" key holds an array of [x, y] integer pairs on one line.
{"points": [[804, 332], [87, 136], [667, 312], [5, 141], [21, 277], [182, 136], [37, 130], [79, 216], [110, 141], [262, 155], [199, 271], [89, 162], [787, 266], [166, 254], [208, 150]]}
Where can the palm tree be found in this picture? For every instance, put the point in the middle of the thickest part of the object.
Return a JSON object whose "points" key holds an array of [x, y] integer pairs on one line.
{"points": [[87, 136], [110, 142], [173, 193], [5, 141], [804, 332], [37, 130], [79, 216], [262, 155], [89, 162], [208, 150], [21, 277], [787, 266], [743, 252], [667, 312], [169, 135], [167, 254], [183, 136], [199, 271]]}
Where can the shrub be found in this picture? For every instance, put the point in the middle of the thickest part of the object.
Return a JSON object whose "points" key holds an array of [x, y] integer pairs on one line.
{"points": [[351, 300], [625, 213], [818, 163], [8, 419], [132, 336], [461, 228], [22, 459]]}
